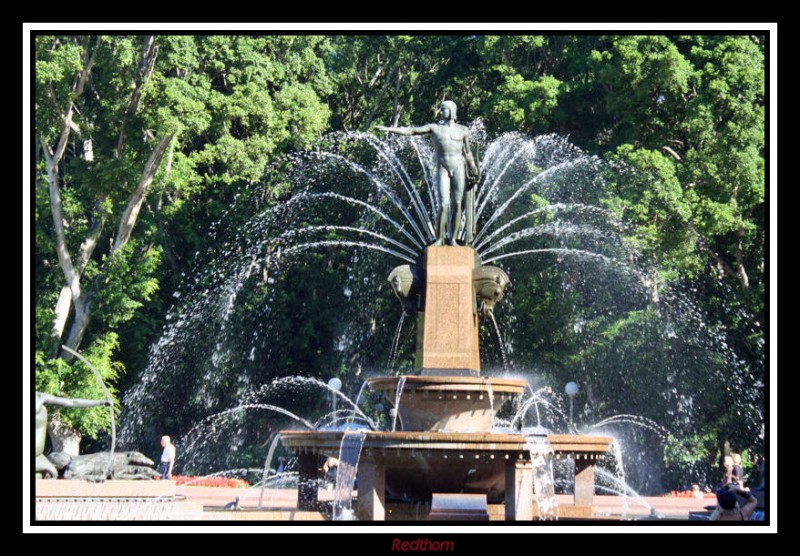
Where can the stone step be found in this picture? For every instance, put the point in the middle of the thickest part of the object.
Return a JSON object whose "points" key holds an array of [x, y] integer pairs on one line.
{"points": [[458, 507]]}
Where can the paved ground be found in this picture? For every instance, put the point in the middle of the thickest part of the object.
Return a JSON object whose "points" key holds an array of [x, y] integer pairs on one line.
{"points": [[611, 507], [667, 507]]}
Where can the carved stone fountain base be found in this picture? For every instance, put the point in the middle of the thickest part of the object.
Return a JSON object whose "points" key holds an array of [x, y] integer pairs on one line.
{"points": [[414, 465], [448, 403], [446, 413]]}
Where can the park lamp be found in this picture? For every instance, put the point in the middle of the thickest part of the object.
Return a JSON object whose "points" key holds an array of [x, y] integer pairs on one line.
{"points": [[335, 385], [571, 390]]}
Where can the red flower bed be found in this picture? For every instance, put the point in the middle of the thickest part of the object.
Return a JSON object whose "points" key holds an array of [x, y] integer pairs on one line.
{"points": [[689, 494], [194, 480]]}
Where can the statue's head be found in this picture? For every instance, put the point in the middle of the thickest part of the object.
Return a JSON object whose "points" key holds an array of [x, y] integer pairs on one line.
{"points": [[447, 110]]}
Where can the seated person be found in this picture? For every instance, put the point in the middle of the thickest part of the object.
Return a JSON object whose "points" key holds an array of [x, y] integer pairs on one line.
{"points": [[727, 507]]}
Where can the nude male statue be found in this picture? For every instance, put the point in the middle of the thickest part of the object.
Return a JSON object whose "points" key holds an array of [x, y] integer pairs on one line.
{"points": [[455, 167]]}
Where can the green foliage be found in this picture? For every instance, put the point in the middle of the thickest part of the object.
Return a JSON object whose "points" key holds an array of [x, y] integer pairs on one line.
{"points": [[75, 380], [680, 117], [649, 196], [522, 104], [689, 460], [129, 282]]}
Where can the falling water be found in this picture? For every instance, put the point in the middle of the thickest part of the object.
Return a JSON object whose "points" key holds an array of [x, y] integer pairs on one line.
{"points": [[396, 342], [359, 401], [291, 234], [485, 194], [636, 420], [565, 166], [433, 193], [424, 216], [400, 384], [357, 202], [621, 488], [382, 187], [267, 462], [490, 393], [543, 487], [195, 441], [556, 229], [346, 473], [294, 381], [556, 207], [359, 395], [617, 451], [500, 343], [347, 416], [532, 401], [564, 252], [315, 245]]}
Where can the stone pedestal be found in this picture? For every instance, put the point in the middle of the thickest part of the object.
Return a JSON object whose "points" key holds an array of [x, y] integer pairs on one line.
{"points": [[519, 490], [458, 507], [447, 342], [307, 484], [584, 483], [372, 490]]}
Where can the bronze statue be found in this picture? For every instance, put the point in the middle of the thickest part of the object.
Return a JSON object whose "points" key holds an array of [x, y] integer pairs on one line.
{"points": [[489, 283], [97, 467], [43, 465], [407, 284], [456, 173]]}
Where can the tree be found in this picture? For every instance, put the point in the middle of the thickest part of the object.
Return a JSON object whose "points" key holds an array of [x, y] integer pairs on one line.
{"points": [[121, 122], [63, 76]]}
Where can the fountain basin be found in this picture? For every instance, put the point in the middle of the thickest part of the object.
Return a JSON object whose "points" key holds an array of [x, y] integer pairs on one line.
{"points": [[448, 403], [417, 464]]}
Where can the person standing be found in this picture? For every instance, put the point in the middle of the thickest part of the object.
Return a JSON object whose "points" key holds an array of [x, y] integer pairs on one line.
{"points": [[738, 470], [167, 457], [727, 471]]}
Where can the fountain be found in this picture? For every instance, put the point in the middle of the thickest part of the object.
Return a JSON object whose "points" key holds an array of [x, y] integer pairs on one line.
{"points": [[443, 435], [448, 443]]}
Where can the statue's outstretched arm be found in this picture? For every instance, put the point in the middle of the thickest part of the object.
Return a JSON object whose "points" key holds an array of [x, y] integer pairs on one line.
{"points": [[420, 130], [70, 402]]}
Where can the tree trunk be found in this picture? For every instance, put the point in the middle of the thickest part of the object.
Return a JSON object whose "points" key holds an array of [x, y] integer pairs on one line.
{"points": [[379, 98], [61, 314], [740, 271], [71, 277], [396, 103], [131, 213], [149, 54], [64, 438], [53, 159], [81, 304], [172, 259], [78, 328], [65, 297]]}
